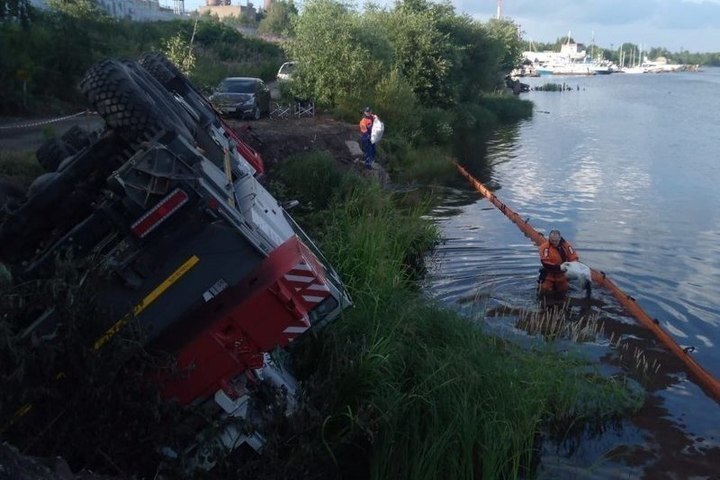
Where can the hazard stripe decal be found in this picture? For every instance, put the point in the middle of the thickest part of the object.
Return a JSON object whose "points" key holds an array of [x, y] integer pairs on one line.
{"points": [[310, 298], [298, 278], [295, 329]]}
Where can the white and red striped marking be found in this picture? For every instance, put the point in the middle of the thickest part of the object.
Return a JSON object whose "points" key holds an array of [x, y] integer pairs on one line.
{"points": [[303, 280]]}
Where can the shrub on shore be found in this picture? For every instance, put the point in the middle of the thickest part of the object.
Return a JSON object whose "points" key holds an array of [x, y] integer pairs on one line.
{"points": [[402, 388]]}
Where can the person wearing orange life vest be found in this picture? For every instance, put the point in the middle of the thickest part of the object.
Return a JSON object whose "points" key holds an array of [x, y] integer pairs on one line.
{"points": [[553, 253], [367, 146]]}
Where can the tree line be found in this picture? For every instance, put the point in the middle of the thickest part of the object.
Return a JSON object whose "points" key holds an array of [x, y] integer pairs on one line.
{"points": [[428, 69]]}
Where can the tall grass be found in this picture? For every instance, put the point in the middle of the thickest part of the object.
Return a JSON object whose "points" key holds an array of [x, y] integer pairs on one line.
{"points": [[428, 165], [406, 389], [508, 108]]}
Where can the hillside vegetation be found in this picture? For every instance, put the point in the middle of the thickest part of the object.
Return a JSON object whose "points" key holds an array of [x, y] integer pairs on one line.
{"points": [[398, 387]]}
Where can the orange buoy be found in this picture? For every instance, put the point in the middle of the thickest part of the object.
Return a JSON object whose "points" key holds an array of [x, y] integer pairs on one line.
{"points": [[709, 383]]}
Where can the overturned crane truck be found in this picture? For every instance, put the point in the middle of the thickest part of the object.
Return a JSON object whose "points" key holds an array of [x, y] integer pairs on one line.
{"points": [[167, 201]]}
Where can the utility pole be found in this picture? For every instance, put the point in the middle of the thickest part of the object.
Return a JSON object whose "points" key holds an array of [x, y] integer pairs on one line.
{"points": [[498, 15]]}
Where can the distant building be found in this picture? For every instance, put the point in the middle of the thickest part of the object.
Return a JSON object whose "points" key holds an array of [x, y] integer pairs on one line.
{"points": [[225, 9], [138, 10]]}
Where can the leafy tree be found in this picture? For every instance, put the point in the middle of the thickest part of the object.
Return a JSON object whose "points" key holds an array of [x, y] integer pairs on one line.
{"points": [[179, 51], [476, 65], [508, 43], [86, 9], [278, 18], [14, 10], [335, 55], [423, 53]]}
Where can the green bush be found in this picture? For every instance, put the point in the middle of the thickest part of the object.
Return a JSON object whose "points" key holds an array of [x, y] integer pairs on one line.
{"points": [[313, 179], [472, 118], [55, 50], [397, 106], [508, 108], [429, 165], [436, 126]]}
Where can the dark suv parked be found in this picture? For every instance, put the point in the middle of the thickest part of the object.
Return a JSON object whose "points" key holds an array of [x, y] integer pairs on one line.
{"points": [[242, 96]]}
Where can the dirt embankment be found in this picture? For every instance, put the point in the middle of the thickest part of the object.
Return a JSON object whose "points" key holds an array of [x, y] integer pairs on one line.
{"points": [[274, 139]]}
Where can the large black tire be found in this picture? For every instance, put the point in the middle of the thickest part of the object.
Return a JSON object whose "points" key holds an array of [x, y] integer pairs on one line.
{"points": [[51, 154], [130, 104], [58, 200], [163, 96], [11, 195], [174, 80]]}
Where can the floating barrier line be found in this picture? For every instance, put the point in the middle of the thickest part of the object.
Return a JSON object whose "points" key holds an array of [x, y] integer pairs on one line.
{"points": [[709, 383]]}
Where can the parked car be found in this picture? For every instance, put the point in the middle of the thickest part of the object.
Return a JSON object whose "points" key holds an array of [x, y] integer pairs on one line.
{"points": [[242, 96], [286, 71]]}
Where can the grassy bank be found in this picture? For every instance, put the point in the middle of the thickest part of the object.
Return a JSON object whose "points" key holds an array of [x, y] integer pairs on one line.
{"points": [[402, 388]]}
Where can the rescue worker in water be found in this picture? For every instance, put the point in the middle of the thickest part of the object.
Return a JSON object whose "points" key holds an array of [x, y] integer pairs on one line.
{"points": [[553, 253]]}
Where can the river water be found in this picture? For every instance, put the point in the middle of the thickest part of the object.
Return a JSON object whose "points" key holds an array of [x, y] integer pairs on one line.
{"points": [[627, 167]]}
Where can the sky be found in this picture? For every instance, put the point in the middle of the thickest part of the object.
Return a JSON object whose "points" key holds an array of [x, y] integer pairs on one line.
{"points": [[692, 25]]}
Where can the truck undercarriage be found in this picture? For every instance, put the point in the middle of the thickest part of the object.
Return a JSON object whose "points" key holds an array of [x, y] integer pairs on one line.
{"points": [[166, 203]]}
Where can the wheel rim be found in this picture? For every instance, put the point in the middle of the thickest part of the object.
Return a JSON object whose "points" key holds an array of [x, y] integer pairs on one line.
{"points": [[256, 113]]}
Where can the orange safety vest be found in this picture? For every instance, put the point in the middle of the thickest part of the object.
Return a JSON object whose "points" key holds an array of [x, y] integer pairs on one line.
{"points": [[552, 257], [366, 125]]}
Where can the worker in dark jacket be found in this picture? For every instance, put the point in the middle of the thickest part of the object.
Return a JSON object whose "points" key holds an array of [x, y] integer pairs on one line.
{"points": [[553, 253], [367, 146]]}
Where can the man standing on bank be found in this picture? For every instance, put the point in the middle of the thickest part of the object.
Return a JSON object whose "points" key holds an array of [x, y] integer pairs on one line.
{"points": [[553, 253], [367, 146]]}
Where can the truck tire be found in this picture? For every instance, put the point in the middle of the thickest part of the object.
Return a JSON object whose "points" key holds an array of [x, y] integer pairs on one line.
{"points": [[11, 195], [135, 113], [163, 96], [158, 66], [170, 77], [51, 153], [165, 72]]}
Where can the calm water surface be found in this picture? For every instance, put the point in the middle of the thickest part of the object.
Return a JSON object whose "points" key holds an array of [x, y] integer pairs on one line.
{"points": [[628, 169]]}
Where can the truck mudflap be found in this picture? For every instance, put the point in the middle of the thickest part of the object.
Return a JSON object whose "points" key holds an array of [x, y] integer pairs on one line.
{"points": [[270, 308]]}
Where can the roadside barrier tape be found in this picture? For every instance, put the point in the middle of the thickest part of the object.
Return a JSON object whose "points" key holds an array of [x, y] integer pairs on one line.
{"points": [[44, 122], [706, 381]]}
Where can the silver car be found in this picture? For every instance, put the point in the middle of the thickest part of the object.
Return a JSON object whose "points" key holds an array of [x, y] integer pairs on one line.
{"points": [[242, 97]]}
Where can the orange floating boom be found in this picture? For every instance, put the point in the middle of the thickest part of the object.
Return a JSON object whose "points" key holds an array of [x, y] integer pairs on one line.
{"points": [[709, 383]]}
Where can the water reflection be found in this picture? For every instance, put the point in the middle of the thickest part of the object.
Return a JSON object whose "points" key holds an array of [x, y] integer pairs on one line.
{"points": [[634, 189]]}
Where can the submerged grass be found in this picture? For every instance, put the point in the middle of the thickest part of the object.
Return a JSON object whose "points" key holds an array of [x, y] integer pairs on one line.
{"points": [[406, 389]]}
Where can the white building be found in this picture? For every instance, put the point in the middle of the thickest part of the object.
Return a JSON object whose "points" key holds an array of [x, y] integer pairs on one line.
{"points": [[138, 10]]}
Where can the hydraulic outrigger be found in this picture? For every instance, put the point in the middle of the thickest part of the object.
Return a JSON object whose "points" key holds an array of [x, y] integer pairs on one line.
{"points": [[709, 383]]}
